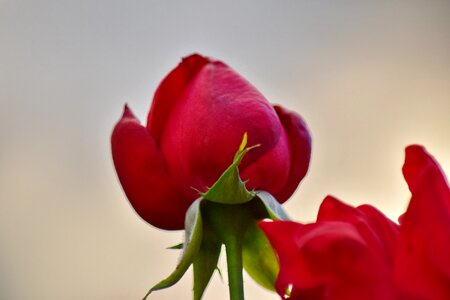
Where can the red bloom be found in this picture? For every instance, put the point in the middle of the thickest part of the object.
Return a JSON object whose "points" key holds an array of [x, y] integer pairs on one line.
{"points": [[358, 253], [198, 117]]}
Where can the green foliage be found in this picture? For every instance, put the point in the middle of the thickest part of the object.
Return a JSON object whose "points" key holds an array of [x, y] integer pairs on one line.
{"points": [[191, 246]]}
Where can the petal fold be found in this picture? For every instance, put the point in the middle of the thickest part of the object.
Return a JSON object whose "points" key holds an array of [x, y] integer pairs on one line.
{"points": [[299, 141], [374, 227], [141, 172], [170, 90], [327, 260]]}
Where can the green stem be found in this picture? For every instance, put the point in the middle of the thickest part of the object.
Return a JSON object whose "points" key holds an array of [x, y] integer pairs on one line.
{"points": [[229, 222], [234, 264]]}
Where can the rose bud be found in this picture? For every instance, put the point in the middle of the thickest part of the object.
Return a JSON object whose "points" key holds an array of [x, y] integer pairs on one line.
{"points": [[198, 117]]}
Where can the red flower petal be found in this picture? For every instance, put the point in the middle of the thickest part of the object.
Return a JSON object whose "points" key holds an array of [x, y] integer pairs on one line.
{"points": [[423, 257], [207, 120], [376, 229], [270, 171], [386, 231], [141, 172], [299, 141], [327, 260], [170, 90]]}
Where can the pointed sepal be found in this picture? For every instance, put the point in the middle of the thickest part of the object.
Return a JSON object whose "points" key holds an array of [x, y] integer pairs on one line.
{"points": [[205, 262], [191, 247], [229, 188], [260, 261], [273, 208]]}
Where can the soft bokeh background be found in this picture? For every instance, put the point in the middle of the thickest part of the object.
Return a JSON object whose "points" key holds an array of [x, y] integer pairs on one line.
{"points": [[368, 77]]}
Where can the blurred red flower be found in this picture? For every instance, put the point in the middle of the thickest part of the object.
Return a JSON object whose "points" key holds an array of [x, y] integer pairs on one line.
{"points": [[358, 253], [198, 117]]}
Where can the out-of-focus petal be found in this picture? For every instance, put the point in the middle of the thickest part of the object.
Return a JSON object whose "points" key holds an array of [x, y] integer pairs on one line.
{"points": [[299, 141], [376, 229], [385, 229], [141, 172], [423, 258], [327, 260], [283, 236]]}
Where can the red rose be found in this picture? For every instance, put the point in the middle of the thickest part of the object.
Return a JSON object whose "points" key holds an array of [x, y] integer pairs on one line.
{"points": [[358, 253], [198, 117]]}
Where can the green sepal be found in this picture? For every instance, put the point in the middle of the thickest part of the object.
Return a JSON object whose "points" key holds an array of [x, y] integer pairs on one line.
{"points": [[229, 217], [260, 261], [229, 188], [273, 208], [205, 262], [191, 246]]}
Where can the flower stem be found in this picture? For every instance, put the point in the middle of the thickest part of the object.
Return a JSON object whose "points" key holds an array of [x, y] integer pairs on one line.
{"points": [[234, 264], [229, 222]]}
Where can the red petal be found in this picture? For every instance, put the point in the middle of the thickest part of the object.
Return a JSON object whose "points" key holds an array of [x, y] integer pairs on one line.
{"points": [[376, 229], [271, 170], [299, 141], [423, 257], [385, 229], [205, 125], [170, 90], [282, 237], [327, 260], [141, 172]]}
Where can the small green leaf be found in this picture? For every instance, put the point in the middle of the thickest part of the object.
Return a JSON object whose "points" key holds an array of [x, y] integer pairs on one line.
{"points": [[193, 238], [229, 188], [273, 208], [260, 260], [205, 262], [176, 247]]}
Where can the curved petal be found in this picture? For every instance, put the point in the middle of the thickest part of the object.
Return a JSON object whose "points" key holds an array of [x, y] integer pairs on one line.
{"points": [[376, 229], [327, 260], [423, 260], [282, 237], [170, 90], [140, 169], [271, 170], [299, 141], [207, 122], [385, 229]]}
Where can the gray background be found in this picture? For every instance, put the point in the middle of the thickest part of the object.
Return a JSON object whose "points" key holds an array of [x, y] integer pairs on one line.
{"points": [[368, 77]]}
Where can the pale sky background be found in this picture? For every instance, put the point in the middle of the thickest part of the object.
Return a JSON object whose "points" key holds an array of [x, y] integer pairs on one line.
{"points": [[368, 77]]}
